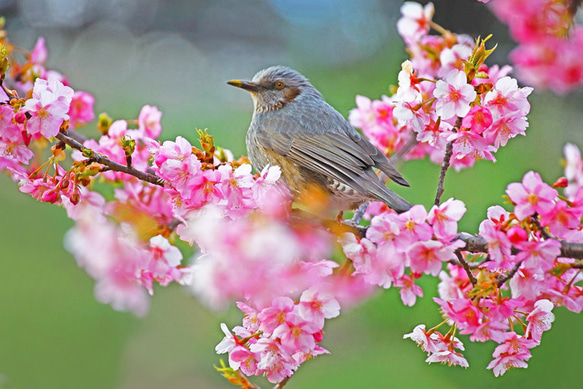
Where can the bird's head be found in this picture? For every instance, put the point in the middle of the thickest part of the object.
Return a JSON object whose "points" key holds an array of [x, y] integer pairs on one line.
{"points": [[275, 87]]}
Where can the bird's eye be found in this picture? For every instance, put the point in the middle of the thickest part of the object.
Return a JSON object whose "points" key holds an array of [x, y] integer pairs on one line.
{"points": [[279, 85]]}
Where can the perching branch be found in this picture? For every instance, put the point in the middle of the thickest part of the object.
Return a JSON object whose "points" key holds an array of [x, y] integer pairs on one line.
{"points": [[477, 244], [67, 138]]}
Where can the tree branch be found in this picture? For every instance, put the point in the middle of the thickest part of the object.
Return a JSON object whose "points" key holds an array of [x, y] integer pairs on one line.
{"points": [[466, 267], [477, 244], [282, 383], [395, 158], [445, 164], [111, 165], [502, 279]]}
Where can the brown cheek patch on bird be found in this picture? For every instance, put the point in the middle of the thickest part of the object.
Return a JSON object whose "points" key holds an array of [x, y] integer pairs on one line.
{"points": [[290, 93]]}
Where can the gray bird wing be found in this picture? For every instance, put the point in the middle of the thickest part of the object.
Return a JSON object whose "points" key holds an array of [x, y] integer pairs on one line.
{"points": [[338, 153]]}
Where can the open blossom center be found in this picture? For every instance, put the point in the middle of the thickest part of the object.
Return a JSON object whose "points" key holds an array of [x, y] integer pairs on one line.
{"points": [[454, 94], [532, 198], [42, 112]]}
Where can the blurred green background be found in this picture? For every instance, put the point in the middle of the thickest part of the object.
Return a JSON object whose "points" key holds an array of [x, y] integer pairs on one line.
{"points": [[177, 55]]}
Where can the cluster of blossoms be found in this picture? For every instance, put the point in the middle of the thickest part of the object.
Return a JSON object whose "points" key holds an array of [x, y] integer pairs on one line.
{"points": [[524, 249], [549, 40], [446, 94], [249, 247], [276, 338], [414, 240], [123, 240]]}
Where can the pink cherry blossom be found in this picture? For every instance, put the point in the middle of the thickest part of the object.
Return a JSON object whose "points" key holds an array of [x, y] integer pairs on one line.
{"points": [[241, 358], [468, 144], [273, 316], [363, 254], [113, 259], [162, 267], [363, 116], [531, 196], [149, 121], [478, 119], [527, 283], [453, 58], [39, 53], [540, 319], [175, 162], [414, 227], [514, 352], [415, 20], [478, 321], [427, 342], [498, 243], [274, 362], [48, 107], [549, 42], [573, 169], [452, 282], [409, 290], [228, 343], [454, 95], [409, 88], [562, 218], [444, 218], [428, 257], [81, 109], [408, 113], [448, 356], [296, 334], [10, 131], [505, 128], [315, 307], [539, 254], [506, 98]]}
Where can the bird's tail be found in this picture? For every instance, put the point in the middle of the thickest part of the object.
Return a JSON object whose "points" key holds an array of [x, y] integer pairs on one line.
{"points": [[393, 200]]}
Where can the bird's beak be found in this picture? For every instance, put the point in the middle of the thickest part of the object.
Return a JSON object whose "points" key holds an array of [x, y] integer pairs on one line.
{"points": [[247, 85]]}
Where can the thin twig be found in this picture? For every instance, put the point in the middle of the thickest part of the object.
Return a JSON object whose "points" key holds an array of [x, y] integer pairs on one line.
{"points": [[395, 158], [502, 279], [282, 383], [445, 164], [466, 267], [111, 165], [542, 230]]}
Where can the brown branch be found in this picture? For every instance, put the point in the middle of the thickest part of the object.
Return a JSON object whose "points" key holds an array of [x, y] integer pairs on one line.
{"points": [[76, 136], [477, 244], [502, 279], [466, 267], [282, 383], [395, 158], [444, 167], [111, 165], [445, 164]]}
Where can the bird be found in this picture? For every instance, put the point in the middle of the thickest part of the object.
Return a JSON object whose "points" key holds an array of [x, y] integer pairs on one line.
{"points": [[315, 147]]}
